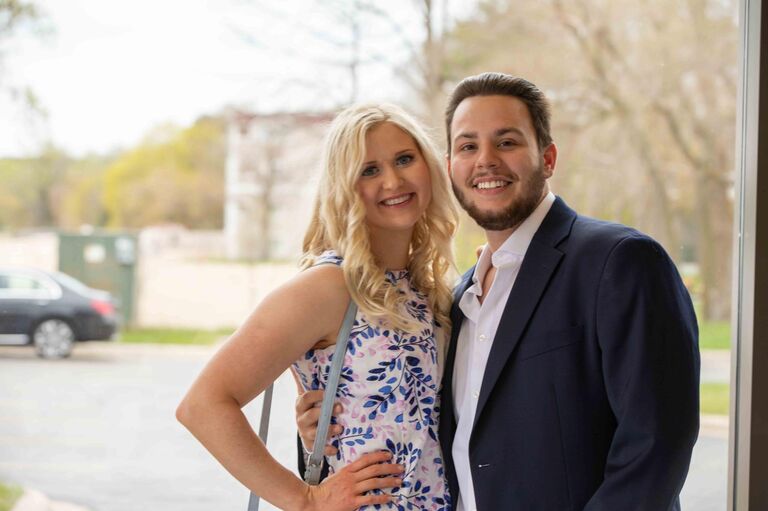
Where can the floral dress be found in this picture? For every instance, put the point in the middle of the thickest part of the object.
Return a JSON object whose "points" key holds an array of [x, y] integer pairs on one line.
{"points": [[389, 389]]}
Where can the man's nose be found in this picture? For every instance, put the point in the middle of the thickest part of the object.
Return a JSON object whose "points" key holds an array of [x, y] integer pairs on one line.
{"points": [[487, 158]]}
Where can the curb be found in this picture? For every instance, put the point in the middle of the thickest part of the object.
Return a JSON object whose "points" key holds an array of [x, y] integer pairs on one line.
{"points": [[33, 500]]}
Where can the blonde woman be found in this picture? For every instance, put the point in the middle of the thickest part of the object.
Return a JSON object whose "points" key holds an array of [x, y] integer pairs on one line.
{"points": [[380, 234]]}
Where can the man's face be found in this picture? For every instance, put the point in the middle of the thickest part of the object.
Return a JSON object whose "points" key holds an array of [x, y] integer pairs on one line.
{"points": [[498, 173]]}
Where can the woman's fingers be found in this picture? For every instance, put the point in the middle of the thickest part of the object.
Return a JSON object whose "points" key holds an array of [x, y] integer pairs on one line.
{"points": [[378, 483], [368, 459]]}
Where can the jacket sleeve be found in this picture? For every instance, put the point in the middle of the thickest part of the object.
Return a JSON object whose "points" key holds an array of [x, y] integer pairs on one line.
{"points": [[648, 335]]}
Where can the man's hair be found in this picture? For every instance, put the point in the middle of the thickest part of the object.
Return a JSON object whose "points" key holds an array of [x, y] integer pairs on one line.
{"points": [[500, 84]]}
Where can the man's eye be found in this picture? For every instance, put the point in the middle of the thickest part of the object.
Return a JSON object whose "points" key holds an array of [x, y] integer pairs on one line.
{"points": [[467, 147], [369, 171], [507, 143], [403, 160]]}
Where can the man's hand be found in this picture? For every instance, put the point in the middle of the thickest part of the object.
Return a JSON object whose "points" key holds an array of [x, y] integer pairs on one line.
{"points": [[308, 413]]}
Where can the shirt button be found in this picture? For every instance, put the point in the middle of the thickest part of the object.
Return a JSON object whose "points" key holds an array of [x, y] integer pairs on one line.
{"points": [[475, 394], [482, 338]]}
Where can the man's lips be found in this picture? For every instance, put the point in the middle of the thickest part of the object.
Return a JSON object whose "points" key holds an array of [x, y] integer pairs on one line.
{"points": [[491, 183]]}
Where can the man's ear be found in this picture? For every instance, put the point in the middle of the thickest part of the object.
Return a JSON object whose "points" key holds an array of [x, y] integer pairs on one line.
{"points": [[550, 159], [448, 163]]}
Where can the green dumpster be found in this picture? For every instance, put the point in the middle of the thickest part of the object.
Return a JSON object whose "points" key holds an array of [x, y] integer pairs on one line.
{"points": [[105, 261]]}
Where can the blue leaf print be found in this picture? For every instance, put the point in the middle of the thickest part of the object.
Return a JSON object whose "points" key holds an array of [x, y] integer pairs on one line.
{"points": [[390, 383]]}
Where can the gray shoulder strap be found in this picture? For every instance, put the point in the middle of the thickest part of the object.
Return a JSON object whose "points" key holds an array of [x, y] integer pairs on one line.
{"points": [[266, 407], [315, 463]]}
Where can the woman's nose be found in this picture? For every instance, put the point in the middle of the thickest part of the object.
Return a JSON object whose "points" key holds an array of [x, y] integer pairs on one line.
{"points": [[391, 178]]}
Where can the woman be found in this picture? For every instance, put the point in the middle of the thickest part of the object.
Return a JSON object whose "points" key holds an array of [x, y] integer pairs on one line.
{"points": [[380, 235]]}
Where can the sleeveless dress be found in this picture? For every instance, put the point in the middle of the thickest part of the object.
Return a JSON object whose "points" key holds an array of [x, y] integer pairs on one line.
{"points": [[389, 390]]}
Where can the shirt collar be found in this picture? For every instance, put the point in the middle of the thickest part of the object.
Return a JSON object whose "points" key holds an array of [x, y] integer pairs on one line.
{"points": [[516, 245], [514, 248]]}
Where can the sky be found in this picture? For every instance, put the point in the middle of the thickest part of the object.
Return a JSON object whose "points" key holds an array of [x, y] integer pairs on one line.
{"points": [[109, 71]]}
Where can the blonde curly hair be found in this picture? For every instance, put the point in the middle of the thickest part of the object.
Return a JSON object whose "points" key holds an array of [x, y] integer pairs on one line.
{"points": [[338, 220]]}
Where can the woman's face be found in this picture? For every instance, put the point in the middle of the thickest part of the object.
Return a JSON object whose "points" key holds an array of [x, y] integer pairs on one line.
{"points": [[394, 181]]}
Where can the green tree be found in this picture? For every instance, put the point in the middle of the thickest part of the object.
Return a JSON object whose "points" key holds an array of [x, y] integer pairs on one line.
{"points": [[173, 176], [31, 189]]}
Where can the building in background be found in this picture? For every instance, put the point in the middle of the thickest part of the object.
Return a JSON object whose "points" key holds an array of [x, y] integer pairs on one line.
{"points": [[272, 171]]}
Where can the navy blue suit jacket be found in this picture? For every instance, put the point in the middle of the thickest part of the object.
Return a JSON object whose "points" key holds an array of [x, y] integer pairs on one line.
{"points": [[590, 398]]}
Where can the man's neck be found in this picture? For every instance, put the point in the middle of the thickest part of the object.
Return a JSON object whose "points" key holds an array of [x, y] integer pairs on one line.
{"points": [[497, 238]]}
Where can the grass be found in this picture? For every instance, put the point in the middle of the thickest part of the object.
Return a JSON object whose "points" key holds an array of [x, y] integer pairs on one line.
{"points": [[715, 335], [9, 494], [173, 336], [715, 398]]}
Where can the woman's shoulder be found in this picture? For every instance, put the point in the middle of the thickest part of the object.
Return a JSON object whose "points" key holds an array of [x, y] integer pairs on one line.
{"points": [[324, 278], [329, 257]]}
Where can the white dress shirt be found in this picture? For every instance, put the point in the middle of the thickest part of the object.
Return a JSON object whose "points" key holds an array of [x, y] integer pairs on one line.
{"points": [[477, 336]]}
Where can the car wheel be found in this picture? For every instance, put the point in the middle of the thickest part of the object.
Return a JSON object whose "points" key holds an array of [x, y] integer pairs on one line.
{"points": [[53, 338]]}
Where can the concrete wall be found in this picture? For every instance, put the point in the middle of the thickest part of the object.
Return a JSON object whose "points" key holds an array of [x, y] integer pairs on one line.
{"points": [[34, 250], [194, 294]]}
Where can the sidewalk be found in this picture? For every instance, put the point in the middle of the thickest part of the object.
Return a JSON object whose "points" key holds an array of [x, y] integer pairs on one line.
{"points": [[33, 500]]}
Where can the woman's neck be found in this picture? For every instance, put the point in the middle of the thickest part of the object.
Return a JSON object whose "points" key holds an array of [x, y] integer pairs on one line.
{"points": [[391, 249]]}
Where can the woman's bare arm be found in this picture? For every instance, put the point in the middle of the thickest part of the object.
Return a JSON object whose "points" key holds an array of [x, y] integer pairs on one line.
{"points": [[286, 324]]}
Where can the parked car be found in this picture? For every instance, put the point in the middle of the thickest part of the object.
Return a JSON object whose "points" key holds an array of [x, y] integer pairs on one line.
{"points": [[52, 311]]}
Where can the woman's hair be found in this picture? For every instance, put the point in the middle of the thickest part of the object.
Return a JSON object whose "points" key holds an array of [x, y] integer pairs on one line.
{"points": [[339, 219]]}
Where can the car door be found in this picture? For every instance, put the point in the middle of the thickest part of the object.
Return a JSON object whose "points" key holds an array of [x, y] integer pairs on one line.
{"points": [[24, 297]]}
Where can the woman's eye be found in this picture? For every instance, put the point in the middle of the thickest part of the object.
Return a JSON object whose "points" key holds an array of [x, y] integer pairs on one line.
{"points": [[369, 171], [404, 160]]}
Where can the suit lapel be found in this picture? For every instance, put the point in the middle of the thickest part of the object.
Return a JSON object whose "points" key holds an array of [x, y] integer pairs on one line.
{"points": [[538, 266], [457, 317], [447, 428]]}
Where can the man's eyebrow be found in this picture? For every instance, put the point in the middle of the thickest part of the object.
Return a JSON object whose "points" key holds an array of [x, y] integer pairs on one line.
{"points": [[466, 134], [505, 131], [498, 133]]}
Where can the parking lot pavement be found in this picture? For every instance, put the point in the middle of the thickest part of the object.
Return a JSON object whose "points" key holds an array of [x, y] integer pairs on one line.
{"points": [[33, 500], [98, 430]]}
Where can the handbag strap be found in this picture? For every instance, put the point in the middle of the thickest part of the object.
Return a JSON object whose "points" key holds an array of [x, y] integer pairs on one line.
{"points": [[315, 463], [266, 407]]}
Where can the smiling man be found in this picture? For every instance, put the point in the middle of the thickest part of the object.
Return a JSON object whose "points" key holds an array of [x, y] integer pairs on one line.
{"points": [[572, 375]]}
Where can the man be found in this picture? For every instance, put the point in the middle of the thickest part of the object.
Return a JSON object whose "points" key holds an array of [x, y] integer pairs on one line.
{"points": [[571, 380]]}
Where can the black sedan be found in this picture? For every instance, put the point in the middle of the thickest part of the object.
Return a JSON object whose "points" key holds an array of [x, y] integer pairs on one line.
{"points": [[52, 311]]}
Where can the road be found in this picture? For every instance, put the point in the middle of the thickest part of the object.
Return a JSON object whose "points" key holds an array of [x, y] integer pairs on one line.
{"points": [[99, 430]]}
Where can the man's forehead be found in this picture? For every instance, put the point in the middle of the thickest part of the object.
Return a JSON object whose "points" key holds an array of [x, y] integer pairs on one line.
{"points": [[490, 114]]}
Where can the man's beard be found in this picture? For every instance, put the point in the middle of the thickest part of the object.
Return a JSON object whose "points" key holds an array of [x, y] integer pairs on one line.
{"points": [[516, 212]]}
